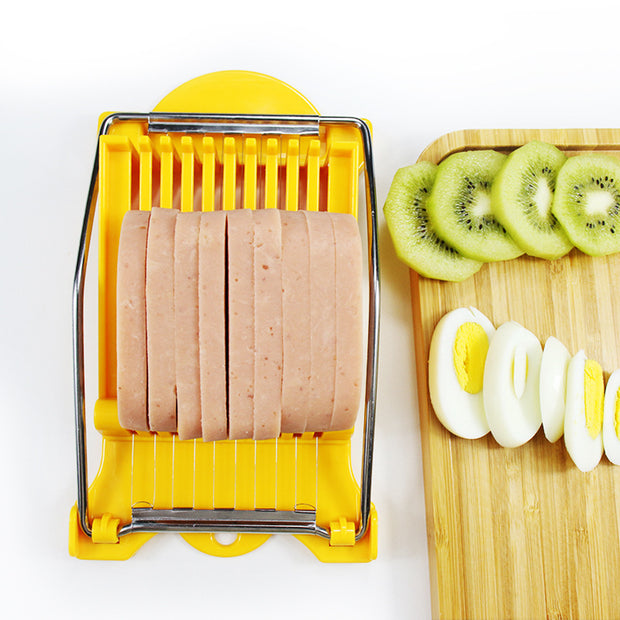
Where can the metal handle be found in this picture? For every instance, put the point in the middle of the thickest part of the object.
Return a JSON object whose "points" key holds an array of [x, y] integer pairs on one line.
{"points": [[234, 520]]}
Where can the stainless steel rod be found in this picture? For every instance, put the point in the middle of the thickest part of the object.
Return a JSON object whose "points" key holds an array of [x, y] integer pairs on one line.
{"points": [[219, 520], [373, 333], [233, 128], [78, 346]]}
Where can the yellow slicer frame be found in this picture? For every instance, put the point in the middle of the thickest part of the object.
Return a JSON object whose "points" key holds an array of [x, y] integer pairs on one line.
{"points": [[153, 482]]}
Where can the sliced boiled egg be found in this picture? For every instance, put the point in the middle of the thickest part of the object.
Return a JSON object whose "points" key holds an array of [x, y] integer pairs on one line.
{"points": [[611, 418], [456, 362], [511, 385], [553, 372], [584, 412]]}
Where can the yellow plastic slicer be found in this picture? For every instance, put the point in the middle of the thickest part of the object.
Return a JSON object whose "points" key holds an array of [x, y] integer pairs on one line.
{"points": [[153, 482]]}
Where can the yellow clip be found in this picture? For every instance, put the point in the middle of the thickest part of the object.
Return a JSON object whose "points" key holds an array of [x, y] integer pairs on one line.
{"points": [[105, 529], [342, 533]]}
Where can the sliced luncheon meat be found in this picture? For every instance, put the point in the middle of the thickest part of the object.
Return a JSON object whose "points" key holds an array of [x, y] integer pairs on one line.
{"points": [[239, 324], [268, 323], [160, 320], [131, 322], [186, 325], [349, 321], [295, 321], [212, 324], [240, 240], [322, 324]]}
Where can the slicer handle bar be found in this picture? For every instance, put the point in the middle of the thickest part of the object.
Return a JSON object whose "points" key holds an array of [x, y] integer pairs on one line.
{"points": [[78, 343], [223, 520]]}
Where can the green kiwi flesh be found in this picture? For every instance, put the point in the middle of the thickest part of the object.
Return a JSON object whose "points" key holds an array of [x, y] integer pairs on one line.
{"points": [[459, 206], [415, 242], [521, 199], [587, 202]]}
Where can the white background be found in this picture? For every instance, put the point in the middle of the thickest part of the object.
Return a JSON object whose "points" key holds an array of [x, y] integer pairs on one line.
{"points": [[416, 73]]}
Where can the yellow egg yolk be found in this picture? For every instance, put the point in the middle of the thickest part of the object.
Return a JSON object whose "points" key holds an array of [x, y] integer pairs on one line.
{"points": [[617, 418], [469, 353], [594, 394]]}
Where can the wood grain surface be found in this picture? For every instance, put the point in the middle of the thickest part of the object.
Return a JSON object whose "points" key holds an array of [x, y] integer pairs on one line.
{"points": [[522, 533]]}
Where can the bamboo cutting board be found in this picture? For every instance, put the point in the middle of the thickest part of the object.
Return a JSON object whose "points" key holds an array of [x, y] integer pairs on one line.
{"points": [[522, 533]]}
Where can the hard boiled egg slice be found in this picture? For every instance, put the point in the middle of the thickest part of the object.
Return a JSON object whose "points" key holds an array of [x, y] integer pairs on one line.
{"points": [[611, 418], [553, 372], [455, 369], [511, 385], [584, 412]]}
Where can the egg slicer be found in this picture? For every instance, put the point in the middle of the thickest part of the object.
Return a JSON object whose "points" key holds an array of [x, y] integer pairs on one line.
{"points": [[261, 145]]}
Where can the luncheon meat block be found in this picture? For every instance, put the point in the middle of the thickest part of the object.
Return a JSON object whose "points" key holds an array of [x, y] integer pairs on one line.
{"points": [[186, 325], [160, 320], [131, 322], [212, 324], [267, 324], [349, 321], [240, 241], [295, 321], [322, 321]]}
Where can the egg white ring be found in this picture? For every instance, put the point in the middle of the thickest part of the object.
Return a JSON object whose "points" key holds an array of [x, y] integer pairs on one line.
{"points": [[611, 441], [459, 411], [585, 450], [553, 373], [512, 420]]}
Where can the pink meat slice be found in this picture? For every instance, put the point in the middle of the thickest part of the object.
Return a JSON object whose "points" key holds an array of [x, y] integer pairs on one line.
{"points": [[268, 324], [131, 322], [349, 321], [296, 370], [240, 240], [186, 325], [160, 320], [212, 324], [322, 321]]}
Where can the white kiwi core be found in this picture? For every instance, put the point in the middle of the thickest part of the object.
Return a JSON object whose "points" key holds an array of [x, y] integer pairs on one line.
{"points": [[543, 198], [598, 202], [481, 204]]}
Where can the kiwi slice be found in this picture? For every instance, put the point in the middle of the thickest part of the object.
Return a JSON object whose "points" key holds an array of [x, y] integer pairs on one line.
{"points": [[415, 242], [587, 202], [459, 206], [521, 199]]}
